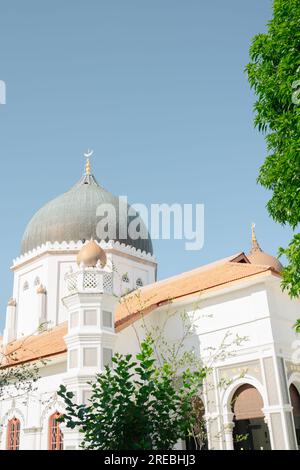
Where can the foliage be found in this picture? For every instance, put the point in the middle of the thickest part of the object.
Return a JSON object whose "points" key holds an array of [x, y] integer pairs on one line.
{"points": [[274, 75], [291, 273], [137, 404], [18, 379], [297, 326]]}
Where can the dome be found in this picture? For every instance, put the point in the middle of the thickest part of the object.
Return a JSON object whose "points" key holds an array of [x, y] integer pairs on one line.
{"points": [[258, 256], [73, 217], [90, 254]]}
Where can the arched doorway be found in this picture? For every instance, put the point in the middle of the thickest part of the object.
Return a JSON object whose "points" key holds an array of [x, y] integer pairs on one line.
{"points": [[198, 437], [295, 401], [250, 431]]}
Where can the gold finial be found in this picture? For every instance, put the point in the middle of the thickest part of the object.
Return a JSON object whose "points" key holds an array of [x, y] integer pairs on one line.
{"points": [[255, 244], [11, 302], [254, 240], [41, 290], [88, 154]]}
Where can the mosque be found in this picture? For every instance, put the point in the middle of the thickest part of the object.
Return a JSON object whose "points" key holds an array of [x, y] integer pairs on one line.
{"points": [[67, 313]]}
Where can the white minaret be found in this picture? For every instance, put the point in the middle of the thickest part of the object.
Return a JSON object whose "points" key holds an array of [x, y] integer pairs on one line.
{"points": [[42, 306], [91, 334], [10, 324]]}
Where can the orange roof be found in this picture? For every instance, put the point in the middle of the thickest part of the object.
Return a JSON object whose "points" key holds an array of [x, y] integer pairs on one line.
{"points": [[35, 347], [199, 280], [143, 301]]}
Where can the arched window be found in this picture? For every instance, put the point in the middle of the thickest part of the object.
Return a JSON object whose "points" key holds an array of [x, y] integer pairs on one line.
{"points": [[139, 282], [56, 438], [25, 285], [13, 434], [125, 278], [37, 281]]}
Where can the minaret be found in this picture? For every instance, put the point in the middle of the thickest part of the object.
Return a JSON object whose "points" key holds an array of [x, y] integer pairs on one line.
{"points": [[11, 322], [91, 334], [42, 306]]}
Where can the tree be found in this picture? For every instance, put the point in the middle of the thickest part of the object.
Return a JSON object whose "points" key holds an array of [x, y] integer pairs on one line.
{"points": [[19, 378], [16, 379], [138, 404], [274, 75]]}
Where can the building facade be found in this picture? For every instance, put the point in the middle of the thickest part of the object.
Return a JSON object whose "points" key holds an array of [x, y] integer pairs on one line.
{"points": [[77, 299]]}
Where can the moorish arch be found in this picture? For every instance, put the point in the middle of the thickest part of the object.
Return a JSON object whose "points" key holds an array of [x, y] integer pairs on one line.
{"points": [[250, 430], [294, 391], [13, 427], [49, 424], [243, 408]]}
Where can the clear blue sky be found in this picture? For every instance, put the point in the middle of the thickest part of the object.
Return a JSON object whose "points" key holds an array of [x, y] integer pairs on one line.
{"points": [[157, 89]]}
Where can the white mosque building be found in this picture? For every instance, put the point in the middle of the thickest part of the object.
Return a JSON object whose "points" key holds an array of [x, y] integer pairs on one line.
{"points": [[71, 282]]}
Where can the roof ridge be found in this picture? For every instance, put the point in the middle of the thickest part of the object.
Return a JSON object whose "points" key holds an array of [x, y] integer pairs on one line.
{"points": [[199, 269], [221, 274]]}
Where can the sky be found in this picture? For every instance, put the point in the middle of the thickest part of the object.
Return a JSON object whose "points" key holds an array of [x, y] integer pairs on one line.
{"points": [[158, 90]]}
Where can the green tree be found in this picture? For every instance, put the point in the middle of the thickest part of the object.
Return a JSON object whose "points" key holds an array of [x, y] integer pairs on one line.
{"points": [[274, 75], [137, 404], [17, 379]]}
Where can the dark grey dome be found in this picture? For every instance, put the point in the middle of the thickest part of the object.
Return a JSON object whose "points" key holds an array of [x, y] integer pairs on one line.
{"points": [[73, 217]]}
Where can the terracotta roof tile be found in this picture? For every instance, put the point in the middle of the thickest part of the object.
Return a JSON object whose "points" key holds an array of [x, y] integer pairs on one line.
{"points": [[143, 301], [193, 282], [35, 347]]}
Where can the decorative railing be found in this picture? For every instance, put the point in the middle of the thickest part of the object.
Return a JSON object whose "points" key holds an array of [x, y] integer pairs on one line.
{"points": [[90, 280]]}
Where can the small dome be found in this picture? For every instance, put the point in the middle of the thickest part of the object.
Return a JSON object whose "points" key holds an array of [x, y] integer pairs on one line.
{"points": [[258, 256], [90, 254], [41, 289]]}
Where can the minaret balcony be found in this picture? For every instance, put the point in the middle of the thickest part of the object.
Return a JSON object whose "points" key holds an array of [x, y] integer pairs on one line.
{"points": [[90, 280]]}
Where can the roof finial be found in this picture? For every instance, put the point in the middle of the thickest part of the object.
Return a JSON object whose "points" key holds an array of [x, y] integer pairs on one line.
{"points": [[255, 245], [88, 154]]}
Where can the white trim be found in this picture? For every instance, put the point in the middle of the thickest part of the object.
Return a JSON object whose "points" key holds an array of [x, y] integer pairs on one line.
{"points": [[295, 380], [76, 246], [226, 398], [236, 383]]}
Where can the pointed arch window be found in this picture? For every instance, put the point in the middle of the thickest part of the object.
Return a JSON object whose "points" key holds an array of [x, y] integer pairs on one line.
{"points": [[37, 281], [13, 434], [56, 438], [139, 282], [125, 278]]}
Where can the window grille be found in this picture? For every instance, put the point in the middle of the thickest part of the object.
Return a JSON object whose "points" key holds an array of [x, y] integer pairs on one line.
{"points": [[56, 438], [13, 434]]}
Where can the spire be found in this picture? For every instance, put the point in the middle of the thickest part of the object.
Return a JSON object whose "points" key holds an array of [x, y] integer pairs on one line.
{"points": [[255, 245], [88, 154]]}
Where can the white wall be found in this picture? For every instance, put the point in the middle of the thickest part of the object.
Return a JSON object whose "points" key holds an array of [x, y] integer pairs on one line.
{"points": [[50, 267], [135, 269], [284, 313]]}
